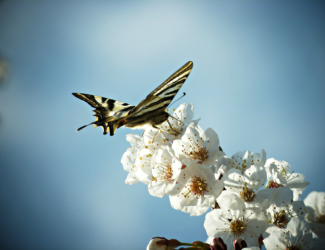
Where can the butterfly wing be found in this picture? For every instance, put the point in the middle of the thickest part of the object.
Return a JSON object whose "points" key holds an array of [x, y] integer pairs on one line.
{"points": [[161, 97], [106, 110]]}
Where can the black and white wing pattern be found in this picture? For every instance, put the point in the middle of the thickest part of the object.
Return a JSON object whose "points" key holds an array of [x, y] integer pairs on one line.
{"points": [[113, 114], [105, 109], [162, 96]]}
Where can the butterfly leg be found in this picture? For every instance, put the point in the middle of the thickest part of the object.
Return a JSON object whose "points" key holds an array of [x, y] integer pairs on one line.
{"points": [[171, 127], [155, 133], [153, 138]]}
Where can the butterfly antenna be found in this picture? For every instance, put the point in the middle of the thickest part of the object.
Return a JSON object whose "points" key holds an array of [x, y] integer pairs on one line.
{"points": [[171, 126], [176, 100], [83, 127], [155, 135]]}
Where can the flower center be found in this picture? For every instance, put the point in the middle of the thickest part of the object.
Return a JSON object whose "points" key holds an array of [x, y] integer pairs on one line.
{"points": [[271, 184], [175, 128], [293, 247], [243, 167], [197, 186], [274, 185], [165, 173], [237, 227], [283, 172], [199, 153], [247, 194], [280, 219], [320, 219]]}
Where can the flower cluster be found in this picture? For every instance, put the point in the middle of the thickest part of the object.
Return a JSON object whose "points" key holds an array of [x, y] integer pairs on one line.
{"points": [[175, 161], [254, 200]]}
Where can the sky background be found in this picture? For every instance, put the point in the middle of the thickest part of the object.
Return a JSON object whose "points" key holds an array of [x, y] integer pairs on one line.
{"points": [[258, 80]]}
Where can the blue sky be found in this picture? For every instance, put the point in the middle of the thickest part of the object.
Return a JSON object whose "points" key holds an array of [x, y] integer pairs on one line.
{"points": [[258, 80]]}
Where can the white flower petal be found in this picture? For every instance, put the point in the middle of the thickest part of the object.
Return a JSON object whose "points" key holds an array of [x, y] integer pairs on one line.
{"points": [[197, 190], [134, 140], [281, 195]]}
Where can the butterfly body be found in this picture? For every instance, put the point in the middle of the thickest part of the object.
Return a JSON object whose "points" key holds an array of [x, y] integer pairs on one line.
{"points": [[111, 114]]}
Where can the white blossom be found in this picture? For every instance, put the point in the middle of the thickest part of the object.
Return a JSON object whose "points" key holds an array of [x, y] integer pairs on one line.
{"points": [[143, 164], [282, 208], [196, 191], [179, 121], [129, 157], [297, 235], [315, 205], [151, 136], [235, 221], [241, 160], [278, 174], [197, 146], [165, 171], [150, 142], [245, 182]]}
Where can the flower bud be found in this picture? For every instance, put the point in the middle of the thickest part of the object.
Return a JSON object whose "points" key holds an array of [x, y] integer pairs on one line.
{"points": [[161, 243], [218, 244], [173, 243], [239, 244]]}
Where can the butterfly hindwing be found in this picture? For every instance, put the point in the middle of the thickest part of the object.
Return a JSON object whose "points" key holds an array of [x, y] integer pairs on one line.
{"points": [[106, 110], [103, 103], [113, 114]]}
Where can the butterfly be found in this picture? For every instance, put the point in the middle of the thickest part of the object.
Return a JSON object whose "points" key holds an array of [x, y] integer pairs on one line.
{"points": [[111, 114]]}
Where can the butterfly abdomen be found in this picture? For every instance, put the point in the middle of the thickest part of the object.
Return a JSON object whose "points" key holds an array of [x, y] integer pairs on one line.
{"points": [[152, 119]]}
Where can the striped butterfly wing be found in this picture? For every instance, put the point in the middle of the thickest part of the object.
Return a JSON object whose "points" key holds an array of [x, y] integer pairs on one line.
{"points": [[106, 110], [158, 100]]}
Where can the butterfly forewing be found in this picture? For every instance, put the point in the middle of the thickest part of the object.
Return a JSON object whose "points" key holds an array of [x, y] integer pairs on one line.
{"points": [[162, 96], [113, 114]]}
